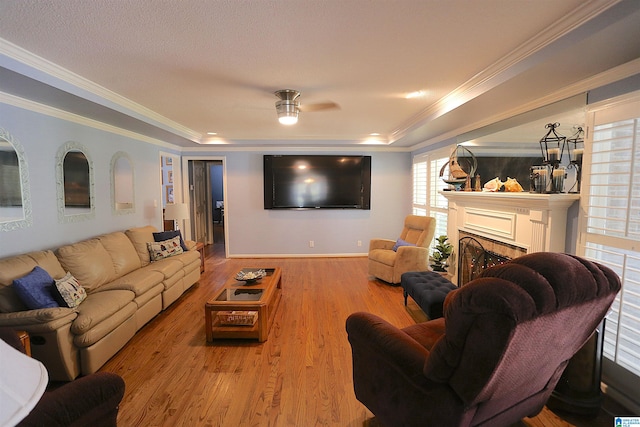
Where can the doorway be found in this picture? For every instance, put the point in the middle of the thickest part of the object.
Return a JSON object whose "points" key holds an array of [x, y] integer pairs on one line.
{"points": [[206, 203]]}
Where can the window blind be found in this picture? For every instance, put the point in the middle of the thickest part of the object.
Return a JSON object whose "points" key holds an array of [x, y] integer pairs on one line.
{"points": [[426, 185], [611, 231]]}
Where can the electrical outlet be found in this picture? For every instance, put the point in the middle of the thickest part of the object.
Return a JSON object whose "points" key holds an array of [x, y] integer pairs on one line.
{"points": [[359, 243], [311, 243]]}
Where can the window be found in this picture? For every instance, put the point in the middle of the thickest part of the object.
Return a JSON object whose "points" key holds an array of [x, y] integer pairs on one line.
{"points": [[610, 230], [426, 186]]}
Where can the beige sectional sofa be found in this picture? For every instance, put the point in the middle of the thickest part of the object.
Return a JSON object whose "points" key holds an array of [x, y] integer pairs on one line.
{"points": [[125, 290]]}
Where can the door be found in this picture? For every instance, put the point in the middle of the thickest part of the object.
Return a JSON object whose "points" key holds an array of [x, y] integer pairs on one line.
{"points": [[200, 200]]}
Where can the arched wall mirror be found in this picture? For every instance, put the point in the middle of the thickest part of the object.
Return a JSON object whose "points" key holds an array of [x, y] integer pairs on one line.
{"points": [[122, 186], [75, 184], [15, 193]]}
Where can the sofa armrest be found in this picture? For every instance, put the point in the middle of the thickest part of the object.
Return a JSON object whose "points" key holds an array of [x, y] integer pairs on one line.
{"points": [[190, 244], [41, 320], [381, 244], [412, 258], [91, 400], [378, 341]]}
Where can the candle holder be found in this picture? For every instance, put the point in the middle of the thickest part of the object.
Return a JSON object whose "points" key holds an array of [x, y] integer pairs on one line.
{"points": [[553, 147], [540, 180], [575, 164]]}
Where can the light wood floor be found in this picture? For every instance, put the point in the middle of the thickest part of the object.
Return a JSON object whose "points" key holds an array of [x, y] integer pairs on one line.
{"points": [[301, 376]]}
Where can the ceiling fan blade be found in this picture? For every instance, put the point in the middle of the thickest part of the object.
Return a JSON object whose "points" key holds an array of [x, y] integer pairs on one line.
{"points": [[319, 106]]}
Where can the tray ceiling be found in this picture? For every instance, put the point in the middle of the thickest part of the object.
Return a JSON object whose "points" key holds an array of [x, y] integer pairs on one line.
{"points": [[177, 70]]}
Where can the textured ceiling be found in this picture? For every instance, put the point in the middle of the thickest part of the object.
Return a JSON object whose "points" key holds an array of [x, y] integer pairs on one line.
{"points": [[211, 66]]}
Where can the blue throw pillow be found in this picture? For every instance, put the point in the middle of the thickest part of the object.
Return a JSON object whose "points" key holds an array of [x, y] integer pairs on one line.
{"points": [[167, 235], [35, 289], [399, 243]]}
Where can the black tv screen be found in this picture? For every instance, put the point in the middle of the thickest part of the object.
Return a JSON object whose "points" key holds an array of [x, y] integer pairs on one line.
{"points": [[314, 182]]}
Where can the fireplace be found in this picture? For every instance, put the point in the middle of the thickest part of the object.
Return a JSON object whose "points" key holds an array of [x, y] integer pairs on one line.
{"points": [[474, 257], [506, 225]]}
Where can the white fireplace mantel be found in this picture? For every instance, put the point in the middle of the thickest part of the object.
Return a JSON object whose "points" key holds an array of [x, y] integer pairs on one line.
{"points": [[535, 222]]}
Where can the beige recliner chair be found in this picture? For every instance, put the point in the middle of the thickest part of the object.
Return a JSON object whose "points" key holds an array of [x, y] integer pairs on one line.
{"points": [[388, 264]]}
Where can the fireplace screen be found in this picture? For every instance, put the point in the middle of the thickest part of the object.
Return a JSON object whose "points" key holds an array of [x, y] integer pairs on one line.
{"points": [[473, 259]]}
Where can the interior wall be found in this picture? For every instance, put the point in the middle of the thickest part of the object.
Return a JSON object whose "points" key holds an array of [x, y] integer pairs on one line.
{"points": [[252, 230], [41, 136]]}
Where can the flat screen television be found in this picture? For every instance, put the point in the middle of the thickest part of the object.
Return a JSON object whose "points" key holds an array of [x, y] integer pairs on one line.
{"points": [[317, 182]]}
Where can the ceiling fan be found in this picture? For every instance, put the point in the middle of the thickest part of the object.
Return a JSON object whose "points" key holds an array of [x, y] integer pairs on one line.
{"points": [[288, 106]]}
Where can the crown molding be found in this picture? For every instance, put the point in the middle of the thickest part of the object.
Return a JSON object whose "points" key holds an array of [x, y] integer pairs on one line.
{"points": [[525, 56], [113, 100], [57, 113], [615, 74]]}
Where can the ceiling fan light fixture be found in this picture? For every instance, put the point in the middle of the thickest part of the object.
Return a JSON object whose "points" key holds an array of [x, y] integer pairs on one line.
{"points": [[287, 107], [287, 112]]}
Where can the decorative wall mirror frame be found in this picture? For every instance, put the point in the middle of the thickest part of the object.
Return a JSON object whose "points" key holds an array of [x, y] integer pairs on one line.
{"points": [[122, 184], [77, 176], [15, 191]]}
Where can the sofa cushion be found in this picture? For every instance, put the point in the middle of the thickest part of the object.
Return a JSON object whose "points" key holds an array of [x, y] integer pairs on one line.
{"points": [[139, 237], [98, 307], [164, 249], [89, 262], [187, 258], [138, 282], [166, 235], [169, 267], [48, 261], [17, 266], [108, 324], [123, 254], [34, 289], [68, 292]]}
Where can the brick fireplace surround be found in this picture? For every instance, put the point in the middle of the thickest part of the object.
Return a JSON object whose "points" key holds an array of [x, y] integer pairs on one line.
{"points": [[527, 221]]}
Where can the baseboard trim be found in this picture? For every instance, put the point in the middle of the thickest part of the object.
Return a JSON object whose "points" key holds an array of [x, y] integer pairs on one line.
{"points": [[346, 255]]}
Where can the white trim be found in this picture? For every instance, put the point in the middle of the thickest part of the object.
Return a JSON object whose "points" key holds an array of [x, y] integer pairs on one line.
{"points": [[331, 255], [507, 67], [296, 148], [186, 198], [621, 100], [57, 113], [592, 109], [36, 62], [612, 75]]}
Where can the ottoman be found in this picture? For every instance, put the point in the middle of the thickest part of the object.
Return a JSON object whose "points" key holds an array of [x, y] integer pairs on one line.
{"points": [[428, 289]]}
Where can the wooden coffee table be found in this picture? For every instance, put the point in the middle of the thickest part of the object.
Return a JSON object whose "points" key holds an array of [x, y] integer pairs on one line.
{"points": [[262, 297]]}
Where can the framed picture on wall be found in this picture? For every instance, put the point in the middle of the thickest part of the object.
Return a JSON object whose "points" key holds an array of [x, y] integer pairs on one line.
{"points": [[168, 161], [170, 177], [169, 194]]}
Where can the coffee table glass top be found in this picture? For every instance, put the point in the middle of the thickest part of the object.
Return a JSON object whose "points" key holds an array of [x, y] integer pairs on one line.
{"points": [[240, 294]]}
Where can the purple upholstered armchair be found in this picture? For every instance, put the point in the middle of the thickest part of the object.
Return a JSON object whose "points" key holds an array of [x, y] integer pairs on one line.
{"points": [[92, 400], [495, 356]]}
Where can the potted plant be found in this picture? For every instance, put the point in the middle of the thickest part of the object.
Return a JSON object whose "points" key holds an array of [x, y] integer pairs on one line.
{"points": [[442, 251]]}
